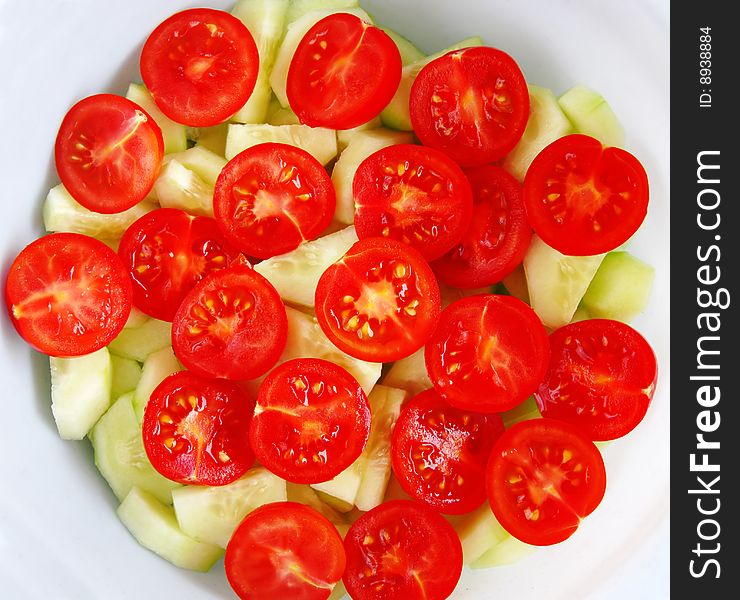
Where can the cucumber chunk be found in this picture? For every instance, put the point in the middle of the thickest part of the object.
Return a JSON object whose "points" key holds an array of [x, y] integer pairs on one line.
{"points": [[361, 145], [396, 114], [591, 114], [515, 284], [525, 411], [319, 142], [210, 514], [557, 282], [546, 124], [80, 392], [126, 375], [479, 531], [304, 494], [62, 213], [154, 526], [340, 492], [339, 590], [210, 138], [139, 342], [581, 314], [174, 134], [409, 53], [265, 20], [409, 374], [507, 552], [179, 187], [296, 274], [136, 318], [120, 455], [620, 289], [344, 136], [205, 163], [298, 8], [157, 366]]}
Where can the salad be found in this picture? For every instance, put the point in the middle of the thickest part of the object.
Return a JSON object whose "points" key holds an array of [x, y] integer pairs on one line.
{"points": [[220, 302]]}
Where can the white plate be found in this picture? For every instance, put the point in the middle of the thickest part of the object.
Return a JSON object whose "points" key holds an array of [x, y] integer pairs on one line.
{"points": [[59, 536]]}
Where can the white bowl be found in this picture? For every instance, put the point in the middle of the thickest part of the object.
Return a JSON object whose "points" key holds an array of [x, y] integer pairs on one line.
{"points": [[59, 536]]}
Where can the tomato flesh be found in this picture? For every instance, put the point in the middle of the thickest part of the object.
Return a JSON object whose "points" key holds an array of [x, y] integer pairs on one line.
{"points": [[68, 294], [415, 195], [312, 421], [543, 478], [108, 153], [583, 199], [439, 453]]}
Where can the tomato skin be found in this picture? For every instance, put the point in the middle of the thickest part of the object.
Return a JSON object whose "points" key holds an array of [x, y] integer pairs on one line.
{"points": [[472, 335], [271, 197], [232, 325], [601, 378], [67, 294], [200, 66], [541, 455], [368, 64], [583, 199], [304, 435], [430, 436], [426, 554], [395, 197], [108, 153], [455, 107], [385, 285], [498, 236], [193, 430]]}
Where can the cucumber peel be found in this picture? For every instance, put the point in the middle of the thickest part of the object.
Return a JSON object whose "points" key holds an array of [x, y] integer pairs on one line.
{"points": [[591, 115], [174, 134], [126, 375], [157, 367]]}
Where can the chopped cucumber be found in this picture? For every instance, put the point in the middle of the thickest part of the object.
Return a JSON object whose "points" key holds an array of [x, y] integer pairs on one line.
{"points": [[515, 284], [293, 36], [205, 163], [361, 145], [591, 114], [80, 392], [296, 274], [507, 552], [157, 366], [136, 318], [139, 342], [319, 142], [409, 53], [546, 124], [340, 492], [479, 531], [210, 514], [339, 590], [396, 114], [265, 20], [154, 526], [557, 282], [581, 314], [62, 213], [525, 411], [210, 138], [344, 136], [620, 289], [174, 134], [179, 187], [304, 494], [409, 374], [298, 8], [126, 375], [284, 116], [120, 455]]}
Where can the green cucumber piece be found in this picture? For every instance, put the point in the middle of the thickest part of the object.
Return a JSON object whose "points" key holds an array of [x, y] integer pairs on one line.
{"points": [[174, 134], [340, 492], [339, 592], [120, 455], [304, 494], [298, 8], [557, 282], [546, 124], [136, 318], [581, 314], [210, 138], [361, 145], [210, 514], [396, 114], [265, 20], [409, 374], [139, 342], [157, 367], [516, 284], [591, 114], [80, 392], [525, 411], [344, 136], [206, 164], [179, 187], [507, 552], [409, 53], [479, 531], [319, 142], [154, 526], [620, 289], [126, 375]]}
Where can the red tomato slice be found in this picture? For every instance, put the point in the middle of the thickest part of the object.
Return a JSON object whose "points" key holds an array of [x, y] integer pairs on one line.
{"points": [[194, 430], [601, 378], [68, 294], [343, 73], [380, 302], [440, 452], [414, 195], [312, 421], [584, 199], [488, 354], [284, 550], [271, 197], [472, 104], [108, 153], [200, 65], [402, 550], [543, 478], [232, 325], [167, 252], [497, 238]]}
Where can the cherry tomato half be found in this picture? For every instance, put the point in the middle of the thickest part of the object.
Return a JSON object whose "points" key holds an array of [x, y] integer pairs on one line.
{"points": [[583, 199], [412, 194], [543, 478], [108, 153], [343, 73], [200, 65], [68, 294]]}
